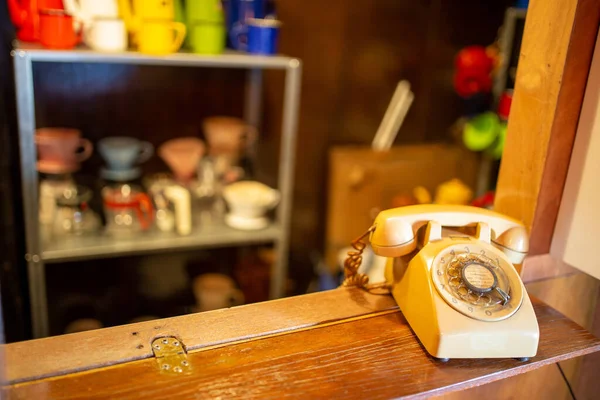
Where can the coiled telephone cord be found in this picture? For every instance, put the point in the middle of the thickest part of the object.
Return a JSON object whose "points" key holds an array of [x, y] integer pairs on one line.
{"points": [[351, 275]]}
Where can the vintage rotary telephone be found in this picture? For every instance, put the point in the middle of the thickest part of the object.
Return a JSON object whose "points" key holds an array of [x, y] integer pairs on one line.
{"points": [[458, 289]]}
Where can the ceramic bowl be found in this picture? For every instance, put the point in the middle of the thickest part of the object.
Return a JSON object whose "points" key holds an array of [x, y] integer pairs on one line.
{"points": [[250, 199]]}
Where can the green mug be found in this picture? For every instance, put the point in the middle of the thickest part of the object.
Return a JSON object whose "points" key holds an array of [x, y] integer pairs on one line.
{"points": [[205, 22], [207, 37]]}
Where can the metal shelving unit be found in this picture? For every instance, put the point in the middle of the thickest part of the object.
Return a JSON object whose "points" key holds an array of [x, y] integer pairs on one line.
{"points": [[39, 252]]}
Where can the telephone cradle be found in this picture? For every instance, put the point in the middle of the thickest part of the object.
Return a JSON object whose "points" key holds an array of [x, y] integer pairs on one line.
{"points": [[460, 292]]}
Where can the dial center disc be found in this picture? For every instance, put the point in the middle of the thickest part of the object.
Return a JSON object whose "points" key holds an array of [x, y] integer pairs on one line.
{"points": [[479, 278]]}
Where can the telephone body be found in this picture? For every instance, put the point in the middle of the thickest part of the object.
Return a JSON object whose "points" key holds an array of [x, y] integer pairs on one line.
{"points": [[461, 294]]}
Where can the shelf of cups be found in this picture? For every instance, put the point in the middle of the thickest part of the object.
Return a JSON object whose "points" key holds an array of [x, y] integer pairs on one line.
{"points": [[104, 245], [229, 59]]}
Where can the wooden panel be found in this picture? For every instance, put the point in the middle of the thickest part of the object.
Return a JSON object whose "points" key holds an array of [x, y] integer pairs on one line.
{"points": [[553, 68], [93, 349], [543, 383], [543, 267], [370, 357], [576, 297], [362, 182]]}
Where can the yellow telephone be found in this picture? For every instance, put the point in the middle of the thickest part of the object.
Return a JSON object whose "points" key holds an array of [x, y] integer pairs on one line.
{"points": [[461, 294]]}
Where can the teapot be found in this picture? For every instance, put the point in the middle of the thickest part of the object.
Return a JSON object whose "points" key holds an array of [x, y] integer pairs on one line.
{"points": [[145, 10], [25, 14], [127, 209]]}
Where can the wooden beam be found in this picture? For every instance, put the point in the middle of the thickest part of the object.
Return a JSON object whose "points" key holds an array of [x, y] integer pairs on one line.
{"points": [[555, 58]]}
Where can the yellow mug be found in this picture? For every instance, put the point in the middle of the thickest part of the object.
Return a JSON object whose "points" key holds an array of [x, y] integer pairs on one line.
{"points": [[155, 9], [160, 37]]}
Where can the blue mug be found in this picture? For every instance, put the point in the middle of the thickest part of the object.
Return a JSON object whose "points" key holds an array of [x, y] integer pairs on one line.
{"points": [[263, 36], [238, 12]]}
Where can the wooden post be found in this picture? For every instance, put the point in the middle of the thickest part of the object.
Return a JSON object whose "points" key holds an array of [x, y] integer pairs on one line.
{"points": [[555, 58]]}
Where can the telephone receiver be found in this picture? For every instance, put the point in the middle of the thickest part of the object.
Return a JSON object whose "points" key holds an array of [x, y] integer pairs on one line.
{"points": [[395, 230]]}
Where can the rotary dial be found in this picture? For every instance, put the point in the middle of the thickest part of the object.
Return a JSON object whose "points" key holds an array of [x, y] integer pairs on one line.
{"points": [[479, 285]]}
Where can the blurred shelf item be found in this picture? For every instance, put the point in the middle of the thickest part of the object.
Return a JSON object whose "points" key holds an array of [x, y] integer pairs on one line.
{"points": [[229, 59], [104, 245], [39, 252]]}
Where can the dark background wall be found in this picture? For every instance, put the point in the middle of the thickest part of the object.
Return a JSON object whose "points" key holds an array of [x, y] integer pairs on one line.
{"points": [[354, 53]]}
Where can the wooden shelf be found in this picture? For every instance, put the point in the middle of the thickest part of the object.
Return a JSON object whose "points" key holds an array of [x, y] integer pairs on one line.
{"points": [[342, 343]]}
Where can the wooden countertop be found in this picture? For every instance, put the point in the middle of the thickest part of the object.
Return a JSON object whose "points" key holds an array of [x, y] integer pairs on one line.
{"points": [[342, 343]]}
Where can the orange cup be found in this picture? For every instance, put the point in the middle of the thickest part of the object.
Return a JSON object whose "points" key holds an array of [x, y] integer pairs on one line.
{"points": [[57, 31]]}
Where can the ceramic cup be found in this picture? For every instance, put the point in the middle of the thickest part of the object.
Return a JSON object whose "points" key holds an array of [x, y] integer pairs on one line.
{"points": [[228, 136], [182, 156], [62, 147], [481, 131], [122, 153], [206, 37], [237, 13], [263, 36], [214, 291], [57, 30], [158, 37], [250, 199], [108, 35]]}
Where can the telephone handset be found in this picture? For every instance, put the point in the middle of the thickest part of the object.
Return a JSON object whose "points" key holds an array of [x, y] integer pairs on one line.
{"points": [[460, 293]]}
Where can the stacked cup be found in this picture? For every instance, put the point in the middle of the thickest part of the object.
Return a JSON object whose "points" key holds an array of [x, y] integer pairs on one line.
{"points": [[152, 25], [103, 29], [205, 21]]}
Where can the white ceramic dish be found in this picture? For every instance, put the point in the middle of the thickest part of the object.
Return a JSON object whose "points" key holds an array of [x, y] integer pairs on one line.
{"points": [[250, 199]]}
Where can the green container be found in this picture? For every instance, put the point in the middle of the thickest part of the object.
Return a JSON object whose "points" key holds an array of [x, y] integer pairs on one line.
{"points": [[481, 131], [205, 23], [206, 37]]}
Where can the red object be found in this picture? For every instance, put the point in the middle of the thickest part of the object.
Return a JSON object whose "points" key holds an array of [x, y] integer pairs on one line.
{"points": [[504, 104], [141, 204], [25, 14], [474, 58], [468, 83], [57, 31], [484, 201], [473, 71]]}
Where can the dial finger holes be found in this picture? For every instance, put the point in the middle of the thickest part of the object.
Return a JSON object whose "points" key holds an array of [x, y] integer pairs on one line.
{"points": [[454, 282], [453, 272], [463, 291], [473, 298], [486, 299]]}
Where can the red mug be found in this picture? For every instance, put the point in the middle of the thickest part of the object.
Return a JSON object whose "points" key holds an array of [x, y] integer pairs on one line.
{"points": [[26, 17], [57, 30]]}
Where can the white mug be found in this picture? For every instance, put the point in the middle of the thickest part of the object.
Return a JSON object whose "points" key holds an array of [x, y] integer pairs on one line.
{"points": [[107, 35]]}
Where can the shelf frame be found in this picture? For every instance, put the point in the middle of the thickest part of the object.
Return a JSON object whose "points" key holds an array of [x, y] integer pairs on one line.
{"points": [[24, 55]]}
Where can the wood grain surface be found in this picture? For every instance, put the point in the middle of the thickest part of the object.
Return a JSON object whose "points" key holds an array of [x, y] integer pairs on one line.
{"points": [[579, 305], [555, 59], [92, 349], [373, 358]]}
